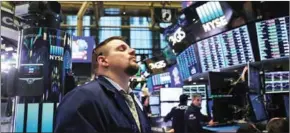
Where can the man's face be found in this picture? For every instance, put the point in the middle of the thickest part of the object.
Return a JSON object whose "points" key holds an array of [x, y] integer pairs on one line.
{"points": [[196, 101], [122, 57]]}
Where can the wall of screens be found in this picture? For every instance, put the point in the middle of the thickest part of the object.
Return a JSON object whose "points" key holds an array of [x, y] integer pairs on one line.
{"points": [[273, 38], [227, 49]]}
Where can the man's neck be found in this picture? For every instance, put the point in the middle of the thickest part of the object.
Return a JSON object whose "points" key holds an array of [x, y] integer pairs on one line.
{"points": [[121, 80]]}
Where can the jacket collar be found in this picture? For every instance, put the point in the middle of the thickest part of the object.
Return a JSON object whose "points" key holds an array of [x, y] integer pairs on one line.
{"points": [[118, 98], [195, 107]]}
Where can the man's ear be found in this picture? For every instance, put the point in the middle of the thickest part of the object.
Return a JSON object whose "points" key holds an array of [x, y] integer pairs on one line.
{"points": [[102, 61]]}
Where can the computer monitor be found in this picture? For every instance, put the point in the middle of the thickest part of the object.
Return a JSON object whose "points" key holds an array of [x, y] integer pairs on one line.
{"points": [[155, 110], [166, 107], [220, 83], [194, 89], [154, 100], [254, 79], [170, 94], [286, 103], [221, 109], [257, 108]]}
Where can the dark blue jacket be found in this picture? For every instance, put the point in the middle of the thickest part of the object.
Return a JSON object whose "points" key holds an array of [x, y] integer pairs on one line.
{"points": [[97, 107], [178, 122], [195, 120]]}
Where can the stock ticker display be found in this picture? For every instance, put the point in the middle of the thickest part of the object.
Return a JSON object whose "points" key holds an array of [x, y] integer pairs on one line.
{"points": [[237, 46], [273, 38], [211, 54], [187, 63], [227, 49]]}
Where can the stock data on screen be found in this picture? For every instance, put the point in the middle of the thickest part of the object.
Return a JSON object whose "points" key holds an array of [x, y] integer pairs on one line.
{"points": [[187, 63], [273, 38], [227, 49]]}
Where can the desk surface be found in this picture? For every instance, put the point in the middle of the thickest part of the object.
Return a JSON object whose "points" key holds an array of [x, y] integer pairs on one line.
{"points": [[232, 128]]}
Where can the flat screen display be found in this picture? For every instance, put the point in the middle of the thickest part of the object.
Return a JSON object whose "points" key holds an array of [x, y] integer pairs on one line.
{"points": [[195, 89], [166, 107], [226, 49], [153, 100], [31, 71], [277, 82], [237, 48], [273, 38], [258, 107], [82, 49], [161, 79], [187, 63], [170, 94], [155, 110], [254, 82], [175, 75], [286, 103]]}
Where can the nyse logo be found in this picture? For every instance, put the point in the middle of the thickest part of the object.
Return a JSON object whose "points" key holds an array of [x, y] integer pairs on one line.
{"points": [[56, 53], [177, 36], [157, 65], [211, 16]]}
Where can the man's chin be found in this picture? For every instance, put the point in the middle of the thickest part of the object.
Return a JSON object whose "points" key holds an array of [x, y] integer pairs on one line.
{"points": [[132, 70]]}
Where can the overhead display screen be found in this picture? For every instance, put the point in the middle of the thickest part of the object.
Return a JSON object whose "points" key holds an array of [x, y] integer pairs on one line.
{"points": [[226, 49], [237, 46], [161, 79], [170, 94], [187, 63], [273, 38], [211, 54], [82, 49]]}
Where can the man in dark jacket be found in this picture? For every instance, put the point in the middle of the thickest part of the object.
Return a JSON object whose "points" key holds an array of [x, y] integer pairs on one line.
{"points": [[177, 113], [106, 104], [194, 119]]}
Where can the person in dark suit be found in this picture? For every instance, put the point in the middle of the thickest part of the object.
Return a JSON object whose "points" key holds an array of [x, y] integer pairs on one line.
{"points": [[177, 114], [106, 104], [194, 119]]}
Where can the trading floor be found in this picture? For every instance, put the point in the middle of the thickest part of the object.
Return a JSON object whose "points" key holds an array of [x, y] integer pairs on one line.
{"points": [[200, 66]]}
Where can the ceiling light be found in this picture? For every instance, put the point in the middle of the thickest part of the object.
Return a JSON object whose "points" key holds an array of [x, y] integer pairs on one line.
{"points": [[9, 49], [201, 78]]}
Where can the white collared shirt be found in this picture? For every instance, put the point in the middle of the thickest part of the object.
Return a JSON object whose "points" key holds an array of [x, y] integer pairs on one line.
{"points": [[119, 88]]}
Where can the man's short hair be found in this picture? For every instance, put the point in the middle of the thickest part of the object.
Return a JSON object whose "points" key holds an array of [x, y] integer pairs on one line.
{"points": [[103, 43], [97, 52], [278, 125], [196, 95]]}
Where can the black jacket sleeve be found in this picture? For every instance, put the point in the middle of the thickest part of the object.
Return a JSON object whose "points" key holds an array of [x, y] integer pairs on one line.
{"points": [[74, 114], [169, 115]]}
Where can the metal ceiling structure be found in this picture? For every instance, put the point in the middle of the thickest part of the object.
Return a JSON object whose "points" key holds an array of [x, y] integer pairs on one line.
{"points": [[127, 4], [84, 7], [96, 8]]}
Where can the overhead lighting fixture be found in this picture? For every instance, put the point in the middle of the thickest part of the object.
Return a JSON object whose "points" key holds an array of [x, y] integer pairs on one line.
{"points": [[201, 78], [9, 49], [124, 13], [194, 83]]}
